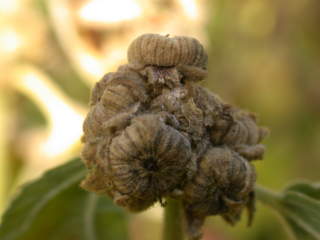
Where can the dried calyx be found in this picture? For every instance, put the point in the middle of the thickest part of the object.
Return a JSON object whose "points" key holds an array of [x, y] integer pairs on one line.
{"points": [[153, 133]]}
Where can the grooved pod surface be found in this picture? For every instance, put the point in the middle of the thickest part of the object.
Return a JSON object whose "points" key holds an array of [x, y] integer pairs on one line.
{"points": [[154, 49], [191, 52]]}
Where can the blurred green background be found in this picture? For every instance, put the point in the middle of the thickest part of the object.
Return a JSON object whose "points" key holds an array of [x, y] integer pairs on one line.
{"points": [[264, 56]]}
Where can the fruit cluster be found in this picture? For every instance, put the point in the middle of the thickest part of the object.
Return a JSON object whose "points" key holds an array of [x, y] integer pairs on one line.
{"points": [[153, 133]]}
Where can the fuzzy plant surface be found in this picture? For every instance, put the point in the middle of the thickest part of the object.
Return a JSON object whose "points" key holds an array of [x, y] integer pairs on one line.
{"points": [[152, 135]]}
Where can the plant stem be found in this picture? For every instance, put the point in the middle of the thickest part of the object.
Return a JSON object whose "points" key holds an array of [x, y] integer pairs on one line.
{"points": [[172, 229], [268, 197]]}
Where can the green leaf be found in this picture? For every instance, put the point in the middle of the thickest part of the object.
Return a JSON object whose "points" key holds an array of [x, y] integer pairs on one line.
{"points": [[310, 189], [297, 231], [54, 207], [299, 205], [303, 212]]}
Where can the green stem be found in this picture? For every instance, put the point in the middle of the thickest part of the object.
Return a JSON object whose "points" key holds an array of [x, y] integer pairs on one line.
{"points": [[172, 229], [267, 196]]}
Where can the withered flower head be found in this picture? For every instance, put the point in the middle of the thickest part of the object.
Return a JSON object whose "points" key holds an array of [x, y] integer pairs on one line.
{"points": [[153, 133]]}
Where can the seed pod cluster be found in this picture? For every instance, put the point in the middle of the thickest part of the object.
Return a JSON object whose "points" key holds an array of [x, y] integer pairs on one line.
{"points": [[153, 133]]}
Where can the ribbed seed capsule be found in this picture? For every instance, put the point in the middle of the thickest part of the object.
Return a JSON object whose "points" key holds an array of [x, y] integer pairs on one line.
{"points": [[240, 128], [153, 49], [242, 131], [115, 93], [184, 52], [99, 88], [243, 135], [148, 161], [122, 91], [222, 185]]}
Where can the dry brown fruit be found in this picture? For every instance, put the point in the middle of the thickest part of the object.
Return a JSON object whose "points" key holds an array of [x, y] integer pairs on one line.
{"points": [[223, 185], [143, 158], [238, 130], [185, 53], [153, 133]]}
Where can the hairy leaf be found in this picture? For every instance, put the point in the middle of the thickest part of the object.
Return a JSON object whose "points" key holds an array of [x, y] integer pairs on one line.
{"points": [[310, 189], [54, 207], [301, 209], [297, 231], [304, 211], [299, 205]]}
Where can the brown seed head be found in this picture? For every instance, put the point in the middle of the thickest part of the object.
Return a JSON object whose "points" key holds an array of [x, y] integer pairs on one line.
{"points": [[153, 133]]}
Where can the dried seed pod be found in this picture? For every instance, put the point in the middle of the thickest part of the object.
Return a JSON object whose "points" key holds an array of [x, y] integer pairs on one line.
{"points": [[243, 130], [115, 93], [123, 91], [93, 151], [184, 52], [123, 73], [244, 136], [222, 185], [254, 152], [238, 129], [99, 88], [142, 160], [153, 49]]}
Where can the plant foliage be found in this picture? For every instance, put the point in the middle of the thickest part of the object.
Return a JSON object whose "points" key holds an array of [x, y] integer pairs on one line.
{"points": [[299, 205], [55, 207]]}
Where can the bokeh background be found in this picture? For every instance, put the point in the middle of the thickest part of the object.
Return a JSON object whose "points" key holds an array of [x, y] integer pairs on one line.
{"points": [[264, 56]]}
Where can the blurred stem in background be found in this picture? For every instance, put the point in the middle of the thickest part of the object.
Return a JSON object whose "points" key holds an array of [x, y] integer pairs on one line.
{"points": [[4, 165], [60, 140]]}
